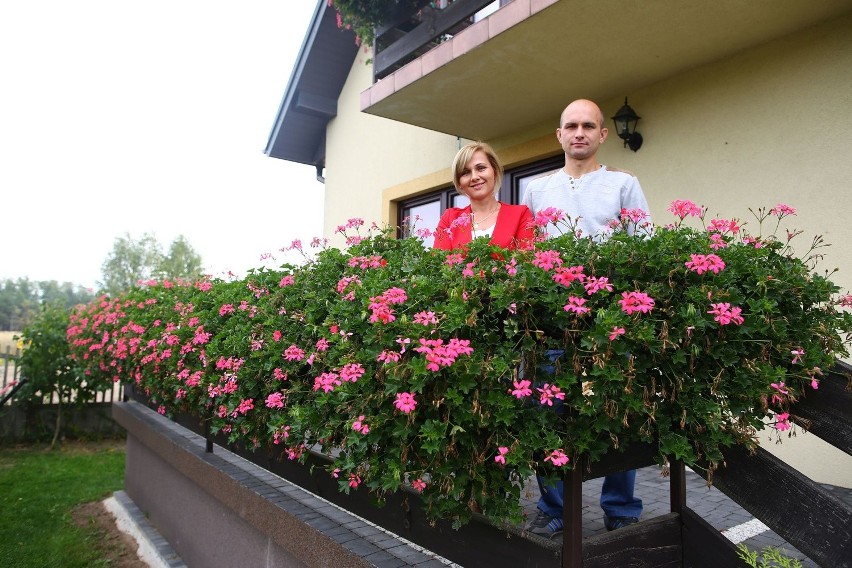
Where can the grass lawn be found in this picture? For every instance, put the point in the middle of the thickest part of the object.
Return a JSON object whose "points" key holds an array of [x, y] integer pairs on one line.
{"points": [[38, 491]]}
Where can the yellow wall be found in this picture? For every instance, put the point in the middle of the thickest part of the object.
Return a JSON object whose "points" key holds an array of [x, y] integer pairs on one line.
{"points": [[366, 154], [768, 125]]}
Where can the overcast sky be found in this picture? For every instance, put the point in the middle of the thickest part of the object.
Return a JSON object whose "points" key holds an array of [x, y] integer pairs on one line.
{"points": [[120, 116]]}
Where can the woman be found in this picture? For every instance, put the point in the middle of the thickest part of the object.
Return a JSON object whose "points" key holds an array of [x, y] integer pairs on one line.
{"points": [[477, 174]]}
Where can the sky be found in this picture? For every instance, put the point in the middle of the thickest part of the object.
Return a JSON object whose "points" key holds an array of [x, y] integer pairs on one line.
{"points": [[125, 117]]}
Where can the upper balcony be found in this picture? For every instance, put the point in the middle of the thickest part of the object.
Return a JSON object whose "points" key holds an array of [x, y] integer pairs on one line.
{"points": [[439, 68]]}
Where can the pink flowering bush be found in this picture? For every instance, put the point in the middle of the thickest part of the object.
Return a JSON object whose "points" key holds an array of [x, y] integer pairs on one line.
{"points": [[432, 370]]}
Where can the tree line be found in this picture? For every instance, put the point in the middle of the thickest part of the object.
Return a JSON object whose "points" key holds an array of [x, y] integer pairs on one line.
{"points": [[131, 260]]}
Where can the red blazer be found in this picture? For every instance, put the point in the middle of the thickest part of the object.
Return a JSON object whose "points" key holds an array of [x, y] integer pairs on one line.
{"points": [[514, 223]]}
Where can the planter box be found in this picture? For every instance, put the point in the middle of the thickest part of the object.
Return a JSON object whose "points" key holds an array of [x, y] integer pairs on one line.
{"points": [[219, 509]]}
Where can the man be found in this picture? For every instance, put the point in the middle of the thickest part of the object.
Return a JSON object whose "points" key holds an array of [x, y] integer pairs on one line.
{"points": [[592, 195]]}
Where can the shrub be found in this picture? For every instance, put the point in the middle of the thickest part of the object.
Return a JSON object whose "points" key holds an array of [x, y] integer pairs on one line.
{"points": [[432, 370]]}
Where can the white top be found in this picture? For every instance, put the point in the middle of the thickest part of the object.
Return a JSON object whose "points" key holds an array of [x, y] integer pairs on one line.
{"points": [[591, 201], [484, 232]]}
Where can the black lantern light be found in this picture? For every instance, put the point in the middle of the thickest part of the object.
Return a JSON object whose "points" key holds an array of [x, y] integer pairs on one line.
{"points": [[625, 125]]}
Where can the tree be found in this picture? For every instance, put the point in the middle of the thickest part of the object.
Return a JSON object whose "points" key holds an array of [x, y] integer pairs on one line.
{"points": [[181, 262], [132, 261], [21, 298]]}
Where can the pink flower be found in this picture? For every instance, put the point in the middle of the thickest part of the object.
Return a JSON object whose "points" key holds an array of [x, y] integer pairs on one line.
{"points": [[557, 458], [567, 275], [548, 215], [322, 344], [717, 241], [522, 388], [286, 281], [782, 421], [845, 301], [634, 215], [294, 353], [547, 259], [245, 405], [501, 456], [797, 355], [684, 207], [616, 331], [226, 309], [405, 402], [632, 302], [513, 308], [511, 267], [782, 210], [701, 263], [276, 335], [275, 400], [389, 356], [814, 383], [575, 305], [354, 480], [780, 387], [548, 392], [351, 372], [419, 485], [394, 296], [454, 258], [593, 285], [723, 226], [726, 314], [327, 382], [360, 426], [425, 318], [279, 374]]}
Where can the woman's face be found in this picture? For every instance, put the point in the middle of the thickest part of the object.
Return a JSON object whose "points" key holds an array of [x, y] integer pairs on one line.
{"points": [[477, 178]]}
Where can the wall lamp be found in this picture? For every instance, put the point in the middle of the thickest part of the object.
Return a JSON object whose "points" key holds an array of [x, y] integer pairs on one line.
{"points": [[625, 125]]}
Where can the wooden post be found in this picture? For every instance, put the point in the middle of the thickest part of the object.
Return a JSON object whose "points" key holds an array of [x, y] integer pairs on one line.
{"points": [[677, 483], [572, 517]]}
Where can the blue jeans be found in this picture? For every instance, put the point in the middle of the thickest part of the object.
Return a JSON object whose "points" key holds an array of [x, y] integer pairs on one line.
{"points": [[617, 499]]}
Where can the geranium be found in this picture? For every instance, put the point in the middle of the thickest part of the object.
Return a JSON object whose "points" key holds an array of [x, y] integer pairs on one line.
{"points": [[684, 207], [420, 375], [405, 402]]}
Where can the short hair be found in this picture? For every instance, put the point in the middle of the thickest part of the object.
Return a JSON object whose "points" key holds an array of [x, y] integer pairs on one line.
{"points": [[465, 154], [603, 118]]}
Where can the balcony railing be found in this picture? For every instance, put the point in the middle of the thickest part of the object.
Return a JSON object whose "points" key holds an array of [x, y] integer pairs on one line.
{"points": [[411, 32]]}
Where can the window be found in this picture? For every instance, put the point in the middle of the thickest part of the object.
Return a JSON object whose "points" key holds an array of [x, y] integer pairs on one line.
{"points": [[423, 212]]}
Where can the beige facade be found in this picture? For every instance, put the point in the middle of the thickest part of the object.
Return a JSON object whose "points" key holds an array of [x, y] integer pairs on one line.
{"points": [[767, 125]]}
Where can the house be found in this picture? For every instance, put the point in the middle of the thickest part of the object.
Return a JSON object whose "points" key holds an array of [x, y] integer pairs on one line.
{"points": [[743, 105]]}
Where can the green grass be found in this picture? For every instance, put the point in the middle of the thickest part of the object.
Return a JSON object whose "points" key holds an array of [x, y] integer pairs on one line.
{"points": [[38, 491]]}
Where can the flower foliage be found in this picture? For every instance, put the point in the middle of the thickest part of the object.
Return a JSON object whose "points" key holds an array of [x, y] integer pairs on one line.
{"points": [[436, 371], [364, 16]]}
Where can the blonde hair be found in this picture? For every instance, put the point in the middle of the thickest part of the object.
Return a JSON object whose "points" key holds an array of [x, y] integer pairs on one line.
{"points": [[465, 155]]}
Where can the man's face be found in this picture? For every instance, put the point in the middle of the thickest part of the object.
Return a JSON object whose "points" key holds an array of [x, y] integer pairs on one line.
{"points": [[581, 131]]}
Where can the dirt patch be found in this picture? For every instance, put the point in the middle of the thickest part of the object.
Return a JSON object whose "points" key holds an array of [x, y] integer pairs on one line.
{"points": [[117, 548]]}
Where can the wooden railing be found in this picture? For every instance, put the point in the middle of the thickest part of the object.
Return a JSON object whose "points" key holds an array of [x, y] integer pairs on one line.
{"points": [[410, 33]]}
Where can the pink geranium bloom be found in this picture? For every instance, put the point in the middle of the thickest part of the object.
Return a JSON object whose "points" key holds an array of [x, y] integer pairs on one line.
{"points": [[419, 485], [723, 226], [717, 241], [549, 392], [454, 258], [245, 405], [394, 296], [547, 216], [286, 281], [522, 388], [425, 318], [226, 309], [616, 331], [354, 480], [405, 402], [782, 421], [782, 210], [360, 426], [634, 215], [701, 263], [567, 275], [726, 314], [294, 353], [557, 458], [389, 356], [326, 382], [576, 306], [684, 207], [594, 285], [275, 400], [547, 259], [501, 455], [632, 302], [797, 355], [351, 372]]}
